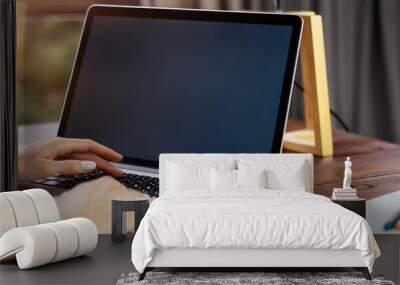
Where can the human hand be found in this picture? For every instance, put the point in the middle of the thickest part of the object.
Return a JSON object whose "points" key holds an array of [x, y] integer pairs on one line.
{"points": [[66, 156]]}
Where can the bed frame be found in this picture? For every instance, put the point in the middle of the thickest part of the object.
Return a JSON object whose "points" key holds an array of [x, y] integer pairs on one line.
{"points": [[248, 259]]}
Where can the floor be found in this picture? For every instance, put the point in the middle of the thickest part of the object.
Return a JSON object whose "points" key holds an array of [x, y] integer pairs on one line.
{"points": [[110, 260], [103, 266], [389, 263]]}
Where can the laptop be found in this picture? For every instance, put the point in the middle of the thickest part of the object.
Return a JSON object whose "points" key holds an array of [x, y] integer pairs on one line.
{"points": [[148, 81]]}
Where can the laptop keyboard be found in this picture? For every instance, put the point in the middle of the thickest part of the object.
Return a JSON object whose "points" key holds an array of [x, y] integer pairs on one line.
{"points": [[146, 184]]}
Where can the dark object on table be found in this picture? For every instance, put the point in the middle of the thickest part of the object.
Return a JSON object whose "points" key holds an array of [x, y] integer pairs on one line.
{"points": [[121, 205], [357, 206], [145, 184]]}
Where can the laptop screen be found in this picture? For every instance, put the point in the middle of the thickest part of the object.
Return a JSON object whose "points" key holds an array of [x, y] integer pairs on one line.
{"points": [[146, 86]]}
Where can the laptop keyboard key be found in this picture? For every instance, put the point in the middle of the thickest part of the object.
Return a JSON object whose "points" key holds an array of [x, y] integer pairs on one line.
{"points": [[146, 184]]}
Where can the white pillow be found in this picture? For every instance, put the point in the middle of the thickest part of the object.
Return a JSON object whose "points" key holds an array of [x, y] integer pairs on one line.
{"points": [[193, 174], [290, 174], [237, 179], [223, 179], [188, 177], [251, 178]]}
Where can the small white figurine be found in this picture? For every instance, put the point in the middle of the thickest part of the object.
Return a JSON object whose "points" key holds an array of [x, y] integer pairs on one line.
{"points": [[347, 174], [347, 192]]}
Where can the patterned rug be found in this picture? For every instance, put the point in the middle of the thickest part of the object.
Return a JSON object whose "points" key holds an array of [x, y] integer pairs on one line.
{"points": [[243, 278]]}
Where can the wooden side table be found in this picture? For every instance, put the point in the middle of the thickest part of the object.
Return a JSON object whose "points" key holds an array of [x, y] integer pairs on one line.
{"points": [[376, 164], [123, 204], [357, 205]]}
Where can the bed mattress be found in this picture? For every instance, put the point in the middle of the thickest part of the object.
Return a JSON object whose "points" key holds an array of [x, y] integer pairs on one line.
{"points": [[250, 219]]}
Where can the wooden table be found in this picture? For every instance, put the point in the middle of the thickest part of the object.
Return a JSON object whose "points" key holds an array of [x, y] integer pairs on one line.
{"points": [[376, 164]]}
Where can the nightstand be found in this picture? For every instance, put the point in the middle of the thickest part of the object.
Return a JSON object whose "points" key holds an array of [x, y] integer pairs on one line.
{"points": [[123, 204], [357, 205]]}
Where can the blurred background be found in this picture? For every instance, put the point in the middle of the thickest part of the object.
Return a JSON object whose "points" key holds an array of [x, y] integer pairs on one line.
{"points": [[362, 41]]}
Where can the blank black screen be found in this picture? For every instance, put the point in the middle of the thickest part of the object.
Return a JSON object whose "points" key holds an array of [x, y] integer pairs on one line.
{"points": [[151, 86]]}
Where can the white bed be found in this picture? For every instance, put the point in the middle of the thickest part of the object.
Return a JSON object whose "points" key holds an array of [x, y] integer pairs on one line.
{"points": [[284, 225]]}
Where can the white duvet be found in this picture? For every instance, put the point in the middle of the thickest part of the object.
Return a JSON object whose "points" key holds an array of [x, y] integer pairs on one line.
{"points": [[250, 219]]}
